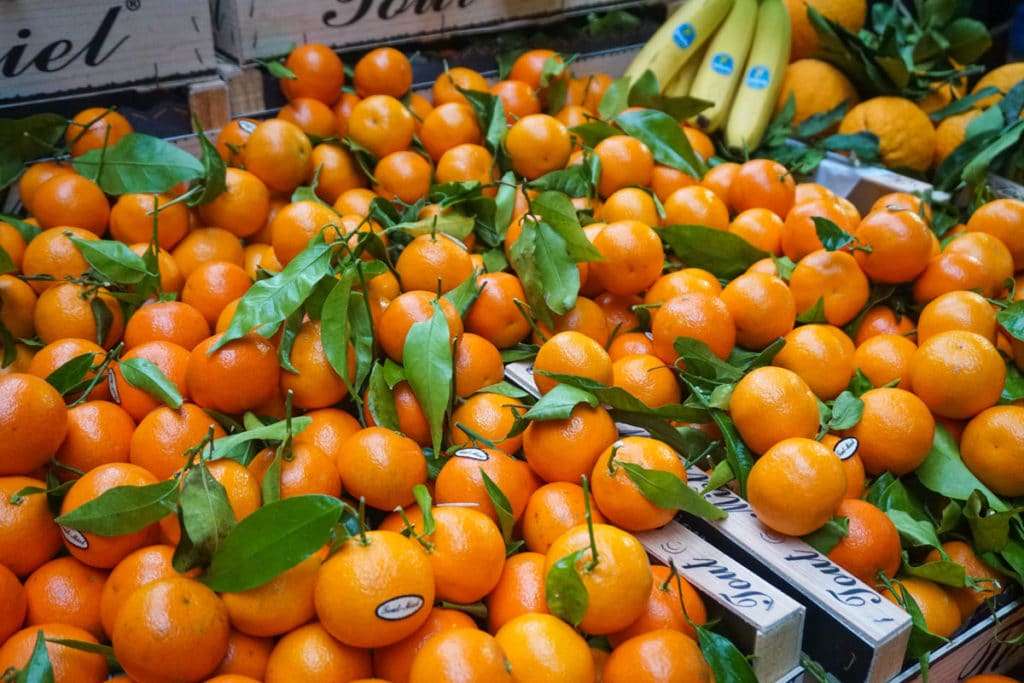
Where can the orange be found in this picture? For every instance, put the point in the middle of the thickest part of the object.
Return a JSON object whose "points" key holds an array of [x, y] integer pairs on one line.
{"points": [[466, 163], [403, 175], [699, 316], [66, 310], [530, 66], [564, 449], [55, 354], [804, 40], [520, 590], [318, 71], [719, 178], [382, 71], [665, 180], [342, 110], [892, 246], [991, 445], [241, 209], [282, 604], [630, 343], [460, 655], [172, 629], [950, 133], [658, 655], [906, 136], [434, 263], [99, 432], [872, 544], [552, 510], [381, 466], [279, 153], [162, 437], [761, 228], [381, 124], [412, 422], [542, 648], [297, 223], [941, 615], [585, 317], [765, 184], [987, 582], [632, 256], [376, 589], [206, 244], [105, 551], [70, 665], [673, 604], [238, 376], [950, 271], [12, 243], [835, 279], [258, 259], [796, 486], [447, 126], [339, 171], [494, 314], [213, 285], [315, 118], [138, 568], [799, 235], [12, 593], [537, 144], [624, 161], [231, 139], [762, 307], [488, 415], [618, 497], [695, 205], [446, 86], [477, 364], [461, 480], [619, 312], [646, 377], [462, 537], [35, 175], [571, 353], [816, 86], [405, 310], [617, 584], [630, 203], [95, 128], [33, 422], [957, 310], [678, 282], [307, 471], [316, 384], [882, 319], [309, 652], [885, 358], [822, 355], [957, 374], [992, 252], [518, 99], [392, 662], [771, 404], [66, 591], [895, 431], [991, 678], [1002, 218], [52, 253], [28, 536], [170, 358], [135, 217], [171, 321]]}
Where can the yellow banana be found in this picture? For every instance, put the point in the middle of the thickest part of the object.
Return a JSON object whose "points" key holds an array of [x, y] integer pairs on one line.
{"points": [[755, 98], [720, 71], [678, 39], [681, 83]]}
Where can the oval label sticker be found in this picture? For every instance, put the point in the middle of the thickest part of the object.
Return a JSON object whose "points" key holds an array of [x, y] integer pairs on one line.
{"points": [[684, 35], [401, 607], [758, 77], [75, 538], [846, 448], [473, 454], [722, 64]]}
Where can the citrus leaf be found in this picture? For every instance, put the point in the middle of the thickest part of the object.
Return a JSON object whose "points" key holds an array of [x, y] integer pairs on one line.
{"points": [[422, 495], [335, 327], [147, 375], [990, 530], [943, 472], [914, 532], [726, 661], [565, 592], [559, 403], [274, 432], [463, 296], [214, 168], [490, 112], [1011, 319], [592, 132], [616, 97], [428, 367], [138, 163], [272, 539], [829, 535], [541, 259], [738, 455], [831, 235], [724, 254], [113, 260], [68, 377], [454, 224], [620, 399], [205, 512], [28, 231], [506, 520], [668, 491], [270, 487], [38, 669], [123, 509], [662, 134], [380, 400], [24, 140], [558, 212], [846, 411]]}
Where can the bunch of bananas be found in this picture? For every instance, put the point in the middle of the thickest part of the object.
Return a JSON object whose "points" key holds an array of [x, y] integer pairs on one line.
{"points": [[729, 52]]}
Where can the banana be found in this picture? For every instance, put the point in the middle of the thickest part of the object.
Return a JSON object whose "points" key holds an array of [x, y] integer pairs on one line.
{"points": [[678, 39], [720, 71], [755, 98], [681, 83]]}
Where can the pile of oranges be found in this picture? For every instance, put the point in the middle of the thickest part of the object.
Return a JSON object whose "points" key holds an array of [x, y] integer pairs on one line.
{"points": [[103, 390]]}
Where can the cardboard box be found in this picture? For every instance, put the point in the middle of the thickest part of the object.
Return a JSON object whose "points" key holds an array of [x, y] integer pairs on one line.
{"points": [[255, 29], [56, 49]]}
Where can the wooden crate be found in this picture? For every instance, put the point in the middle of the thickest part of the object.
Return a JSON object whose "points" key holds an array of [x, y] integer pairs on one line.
{"points": [[54, 49], [256, 29]]}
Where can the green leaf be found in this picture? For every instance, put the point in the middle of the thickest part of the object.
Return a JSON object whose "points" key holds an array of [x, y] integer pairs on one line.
{"points": [[335, 328], [946, 572], [28, 231], [831, 235], [422, 495], [1013, 387], [668, 491], [463, 296], [138, 163], [724, 254], [271, 301], [214, 168], [666, 139], [428, 367], [615, 98], [968, 40], [506, 520], [914, 532], [557, 211], [490, 112], [276, 69], [549, 275], [380, 400], [574, 181], [975, 171], [820, 122], [738, 455], [564, 590], [846, 412], [205, 512], [990, 530], [1011, 319], [38, 669], [123, 509], [726, 661], [271, 540], [943, 472], [270, 487], [592, 132], [6, 264], [619, 398], [24, 140], [454, 224], [113, 260], [146, 375], [828, 536], [69, 376], [559, 403], [274, 432], [701, 362]]}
